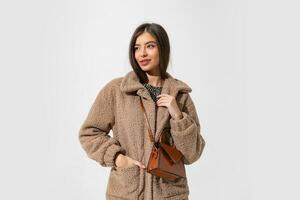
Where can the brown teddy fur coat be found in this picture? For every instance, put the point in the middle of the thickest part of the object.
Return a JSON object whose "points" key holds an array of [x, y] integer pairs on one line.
{"points": [[117, 108]]}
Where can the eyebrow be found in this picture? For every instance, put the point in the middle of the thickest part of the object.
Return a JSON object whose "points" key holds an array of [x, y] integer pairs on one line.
{"points": [[146, 43]]}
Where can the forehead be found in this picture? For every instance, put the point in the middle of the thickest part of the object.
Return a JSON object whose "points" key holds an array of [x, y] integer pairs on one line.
{"points": [[144, 38]]}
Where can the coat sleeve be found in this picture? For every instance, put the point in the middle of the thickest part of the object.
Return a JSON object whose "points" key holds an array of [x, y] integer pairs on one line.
{"points": [[93, 134], [186, 133]]}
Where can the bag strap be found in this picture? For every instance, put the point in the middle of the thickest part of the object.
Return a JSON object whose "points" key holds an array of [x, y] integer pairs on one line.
{"points": [[150, 134]]}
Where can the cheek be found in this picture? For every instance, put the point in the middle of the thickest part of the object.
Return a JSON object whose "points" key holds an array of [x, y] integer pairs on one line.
{"points": [[154, 54], [136, 56]]}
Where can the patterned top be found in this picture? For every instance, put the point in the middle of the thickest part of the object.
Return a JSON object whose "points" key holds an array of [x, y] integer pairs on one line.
{"points": [[153, 90]]}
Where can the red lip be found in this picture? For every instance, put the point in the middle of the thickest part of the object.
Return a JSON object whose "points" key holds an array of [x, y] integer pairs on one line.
{"points": [[145, 61]]}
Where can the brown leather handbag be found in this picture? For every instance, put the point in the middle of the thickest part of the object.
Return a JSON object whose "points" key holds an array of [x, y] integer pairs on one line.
{"points": [[165, 160]]}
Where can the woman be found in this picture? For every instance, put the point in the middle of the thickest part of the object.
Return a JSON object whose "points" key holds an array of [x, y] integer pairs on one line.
{"points": [[117, 107]]}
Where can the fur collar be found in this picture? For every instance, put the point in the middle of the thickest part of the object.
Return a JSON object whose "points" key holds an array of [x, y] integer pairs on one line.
{"points": [[172, 86]]}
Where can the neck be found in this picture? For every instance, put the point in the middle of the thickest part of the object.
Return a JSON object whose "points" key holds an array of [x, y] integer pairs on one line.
{"points": [[155, 80]]}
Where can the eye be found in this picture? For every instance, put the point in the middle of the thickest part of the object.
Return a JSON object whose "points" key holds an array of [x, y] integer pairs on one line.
{"points": [[151, 46], [135, 48]]}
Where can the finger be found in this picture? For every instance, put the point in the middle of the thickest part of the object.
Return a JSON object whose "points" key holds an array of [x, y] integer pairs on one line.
{"points": [[164, 95], [161, 95], [159, 102], [139, 164], [163, 99], [162, 102]]}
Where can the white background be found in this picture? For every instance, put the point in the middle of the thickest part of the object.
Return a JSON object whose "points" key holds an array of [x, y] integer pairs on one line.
{"points": [[240, 57]]}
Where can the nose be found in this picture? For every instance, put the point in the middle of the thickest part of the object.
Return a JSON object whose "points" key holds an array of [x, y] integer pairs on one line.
{"points": [[144, 52]]}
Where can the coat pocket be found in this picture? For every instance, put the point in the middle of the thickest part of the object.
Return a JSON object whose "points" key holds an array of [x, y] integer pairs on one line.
{"points": [[170, 189], [124, 182]]}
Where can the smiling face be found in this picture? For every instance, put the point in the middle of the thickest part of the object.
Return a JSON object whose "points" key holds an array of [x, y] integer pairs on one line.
{"points": [[146, 53]]}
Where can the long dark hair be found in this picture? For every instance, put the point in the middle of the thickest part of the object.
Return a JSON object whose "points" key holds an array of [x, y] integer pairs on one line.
{"points": [[161, 36]]}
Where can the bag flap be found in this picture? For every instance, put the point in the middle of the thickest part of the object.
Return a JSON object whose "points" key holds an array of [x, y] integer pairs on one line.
{"points": [[173, 153]]}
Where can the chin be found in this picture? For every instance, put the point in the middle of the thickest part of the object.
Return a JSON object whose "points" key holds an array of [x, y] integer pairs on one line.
{"points": [[146, 68]]}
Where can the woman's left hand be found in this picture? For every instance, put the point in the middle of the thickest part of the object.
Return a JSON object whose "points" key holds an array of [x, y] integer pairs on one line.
{"points": [[170, 102]]}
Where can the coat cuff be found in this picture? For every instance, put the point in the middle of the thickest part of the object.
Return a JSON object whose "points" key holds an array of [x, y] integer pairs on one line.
{"points": [[110, 154], [179, 125]]}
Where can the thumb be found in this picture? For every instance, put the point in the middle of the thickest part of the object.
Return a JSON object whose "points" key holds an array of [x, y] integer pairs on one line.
{"points": [[141, 165]]}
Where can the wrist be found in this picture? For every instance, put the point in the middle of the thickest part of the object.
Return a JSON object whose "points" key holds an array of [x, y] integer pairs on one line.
{"points": [[178, 116]]}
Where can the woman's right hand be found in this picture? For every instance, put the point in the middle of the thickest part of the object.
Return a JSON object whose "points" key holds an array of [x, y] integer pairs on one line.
{"points": [[123, 161]]}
